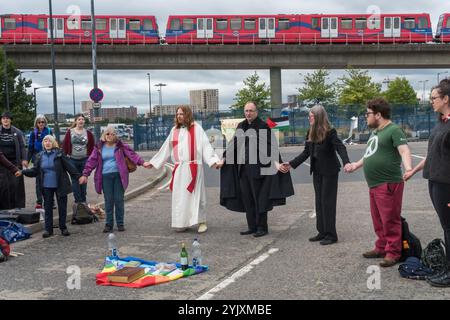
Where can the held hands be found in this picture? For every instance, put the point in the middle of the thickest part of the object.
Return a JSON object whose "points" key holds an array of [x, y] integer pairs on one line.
{"points": [[408, 174], [283, 167], [82, 180], [147, 165], [350, 167], [18, 173], [25, 163], [218, 164]]}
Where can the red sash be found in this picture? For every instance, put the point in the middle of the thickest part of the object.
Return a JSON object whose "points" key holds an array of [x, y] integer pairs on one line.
{"points": [[192, 150]]}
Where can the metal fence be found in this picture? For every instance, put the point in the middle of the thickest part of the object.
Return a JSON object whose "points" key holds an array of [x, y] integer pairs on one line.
{"points": [[416, 121]]}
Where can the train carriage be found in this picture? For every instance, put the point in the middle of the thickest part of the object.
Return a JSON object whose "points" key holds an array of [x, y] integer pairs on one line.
{"points": [[230, 29], [77, 29], [443, 28]]}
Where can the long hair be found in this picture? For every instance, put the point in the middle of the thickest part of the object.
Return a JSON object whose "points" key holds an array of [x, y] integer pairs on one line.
{"points": [[188, 117], [74, 124], [319, 130]]}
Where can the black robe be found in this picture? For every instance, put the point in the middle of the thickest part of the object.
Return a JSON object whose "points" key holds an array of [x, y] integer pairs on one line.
{"points": [[274, 188]]}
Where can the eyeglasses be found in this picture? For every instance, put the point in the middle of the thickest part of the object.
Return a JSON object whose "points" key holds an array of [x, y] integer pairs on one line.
{"points": [[367, 113], [41, 122], [110, 134], [434, 98]]}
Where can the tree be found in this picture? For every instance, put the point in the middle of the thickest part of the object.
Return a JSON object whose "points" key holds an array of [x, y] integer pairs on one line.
{"points": [[316, 90], [356, 88], [253, 91], [20, 103], [400, 91]]}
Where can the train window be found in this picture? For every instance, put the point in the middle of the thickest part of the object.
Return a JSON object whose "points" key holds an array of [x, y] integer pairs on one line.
{"points": [[236, 24], [148, 25], [100, 24], [175, 24], [409, 23], [423, 23], [373, 23], [41, 24], [249, 24], [73, 23], [188, 24], [271, 24], [221, 24], [315, 23], [333, 24], [325, 24], [10, 24], [283, 24], [447, 25], [135, 25], [346, 24], [360, 23], [86, 24], [59, 24]]}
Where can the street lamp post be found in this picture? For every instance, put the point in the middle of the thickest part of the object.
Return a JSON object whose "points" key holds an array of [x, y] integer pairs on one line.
{"points": [[5, 73], [20, 73], [52, 46], [34, 97], [160, 85], [73, 94], [149, 96], [423, 92], [438, 74]]}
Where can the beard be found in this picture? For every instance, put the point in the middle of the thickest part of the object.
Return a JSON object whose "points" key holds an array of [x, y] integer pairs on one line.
{"points": [[374, 125]]}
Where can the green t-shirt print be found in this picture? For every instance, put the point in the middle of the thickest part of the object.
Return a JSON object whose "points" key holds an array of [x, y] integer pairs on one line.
{"points": [[382, 161]]}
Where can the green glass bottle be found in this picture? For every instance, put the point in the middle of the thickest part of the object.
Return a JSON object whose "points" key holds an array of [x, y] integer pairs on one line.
{"points": [[183, 257]]}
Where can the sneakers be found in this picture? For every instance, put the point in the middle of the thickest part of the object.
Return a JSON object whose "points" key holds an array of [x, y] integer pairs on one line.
{"points": [[65, 232], [388, 262], [372, 254], [202, 227], [121, 228], [107, 228]]}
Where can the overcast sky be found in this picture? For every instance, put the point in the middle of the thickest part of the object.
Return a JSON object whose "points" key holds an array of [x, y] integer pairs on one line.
{"points": [[130, 87]]}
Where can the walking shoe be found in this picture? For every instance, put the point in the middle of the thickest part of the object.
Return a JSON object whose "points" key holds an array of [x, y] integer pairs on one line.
{"points": [[47, 234], [121, 228], [202, 227], [260, 233], [388, 262], [107, 229], [443, 280], [326, 241], [38, 206], [249, 231], [65, 232], [317, 238], [373, 254]]}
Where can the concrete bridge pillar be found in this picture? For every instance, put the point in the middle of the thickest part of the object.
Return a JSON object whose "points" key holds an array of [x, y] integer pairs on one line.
{"points": [[275, 87]]}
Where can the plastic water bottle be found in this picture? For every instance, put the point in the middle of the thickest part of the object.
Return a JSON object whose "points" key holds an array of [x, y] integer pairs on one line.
{"points": [[196, 253], [112, 244]]}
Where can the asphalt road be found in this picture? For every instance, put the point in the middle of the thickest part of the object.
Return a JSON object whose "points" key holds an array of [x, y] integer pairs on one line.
{"points": [[282, 265]]}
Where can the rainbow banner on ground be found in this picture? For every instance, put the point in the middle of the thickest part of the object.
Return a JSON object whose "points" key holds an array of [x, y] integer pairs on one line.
{"points": [[155, 272]]}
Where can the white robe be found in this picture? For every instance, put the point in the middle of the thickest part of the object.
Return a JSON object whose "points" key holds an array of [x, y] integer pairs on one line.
{"points": [[188, 209]]}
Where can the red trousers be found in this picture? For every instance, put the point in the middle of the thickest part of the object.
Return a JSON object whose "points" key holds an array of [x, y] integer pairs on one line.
{"points": [[386, 208]]}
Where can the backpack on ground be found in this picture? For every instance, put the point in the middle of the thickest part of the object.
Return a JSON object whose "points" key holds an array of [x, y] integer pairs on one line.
{"points": [[4, 250], [82, 214], [433, 256], [13, 231], [411, 246]]}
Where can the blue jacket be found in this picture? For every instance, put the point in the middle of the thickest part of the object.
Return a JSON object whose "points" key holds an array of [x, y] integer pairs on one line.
{"points": [[35, 143]]}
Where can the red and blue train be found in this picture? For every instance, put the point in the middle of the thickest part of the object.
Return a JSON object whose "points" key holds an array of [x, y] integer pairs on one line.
{"points": [[227, 29]]}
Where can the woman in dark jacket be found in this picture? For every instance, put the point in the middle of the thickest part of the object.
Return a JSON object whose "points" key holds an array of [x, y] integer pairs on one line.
{"points": [[51, 167], [436, 169], [321, 145]]}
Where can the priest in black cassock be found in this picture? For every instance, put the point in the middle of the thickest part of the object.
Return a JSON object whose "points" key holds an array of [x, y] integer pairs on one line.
{"points": [[250, 177]]}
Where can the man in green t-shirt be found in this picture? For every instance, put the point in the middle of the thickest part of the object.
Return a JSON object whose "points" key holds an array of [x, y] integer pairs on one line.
{"points": [[386, 149]]}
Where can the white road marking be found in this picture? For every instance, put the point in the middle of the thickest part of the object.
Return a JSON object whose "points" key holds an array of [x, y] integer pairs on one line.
{"points": [[241, 272]]}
